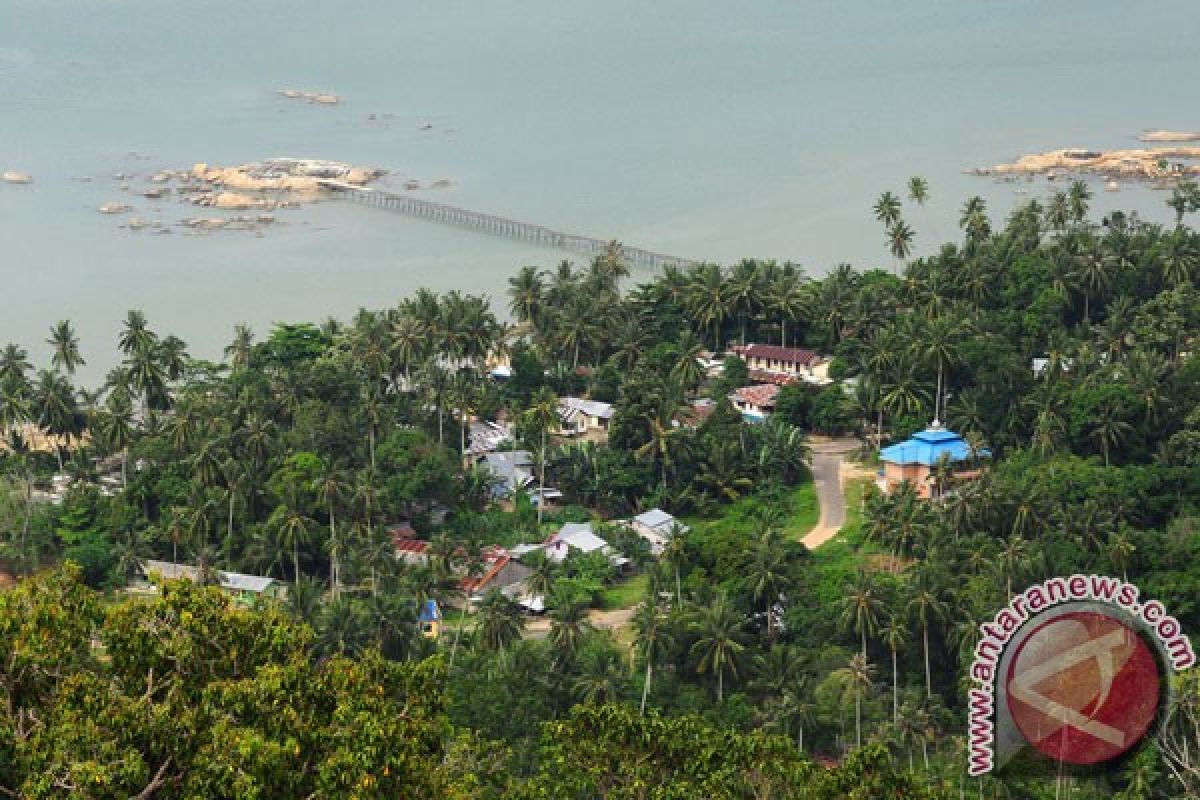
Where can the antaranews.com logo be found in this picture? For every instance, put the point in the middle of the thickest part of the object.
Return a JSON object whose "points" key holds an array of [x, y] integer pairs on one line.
{"points": [[1076, 668]]}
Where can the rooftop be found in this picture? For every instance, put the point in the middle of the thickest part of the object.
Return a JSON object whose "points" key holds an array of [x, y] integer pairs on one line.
{"points": [[928, 447], [788, 355], [762, 395]]}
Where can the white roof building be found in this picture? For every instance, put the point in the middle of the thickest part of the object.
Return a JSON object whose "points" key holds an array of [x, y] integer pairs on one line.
{"points": [[579, 416], [579, 536], [657, 527]]}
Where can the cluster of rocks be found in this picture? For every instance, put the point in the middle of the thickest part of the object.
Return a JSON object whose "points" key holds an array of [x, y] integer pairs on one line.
{"points": [[1136, 164], [13, 176], [319, 98], [1158, 135]]}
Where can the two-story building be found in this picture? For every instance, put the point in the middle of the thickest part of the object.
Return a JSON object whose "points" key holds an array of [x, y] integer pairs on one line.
{"points": [[785, 362]]}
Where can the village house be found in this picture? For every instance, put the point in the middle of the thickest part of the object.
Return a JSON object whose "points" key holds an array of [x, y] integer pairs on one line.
{"points": [[245, 589], [657, 527], [916, 461], [755, 402], [785, 362], [499, 571], [578, 416]]}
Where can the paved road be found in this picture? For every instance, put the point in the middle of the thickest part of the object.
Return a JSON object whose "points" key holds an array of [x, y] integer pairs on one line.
{"points": [[827, 475]]}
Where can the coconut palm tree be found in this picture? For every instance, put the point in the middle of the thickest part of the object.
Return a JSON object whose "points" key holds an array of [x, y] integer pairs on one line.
{"points": [[858, 677], [861, 608], [14, 365], [654, 639], [687, 371], [1078, 195], [568, 625], [294, 531], [1108, 429], [707, 299], [895, 636], [766, 574], [500, 622], [136, 334], [899, 238], [65, 346], [928, 609], [785, 300], [718, 630], [238, 351], [887, 209], [332, 490], [918, 190], [542, 416], [114, 427]]}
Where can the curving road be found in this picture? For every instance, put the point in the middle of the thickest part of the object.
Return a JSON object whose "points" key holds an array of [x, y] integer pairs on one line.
{"points": [[827, 475]]}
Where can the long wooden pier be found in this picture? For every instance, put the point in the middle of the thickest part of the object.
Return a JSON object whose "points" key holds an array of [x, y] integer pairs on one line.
{"points": [[496, 226]]}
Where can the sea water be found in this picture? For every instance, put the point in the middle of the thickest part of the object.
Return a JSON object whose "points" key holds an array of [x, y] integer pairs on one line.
{"points": [[702, 129]]}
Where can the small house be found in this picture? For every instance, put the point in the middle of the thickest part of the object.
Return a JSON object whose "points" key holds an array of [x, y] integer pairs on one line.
{"points": [[244, 589], [579, 537], [755, 402], [578, 416], [656, 527]]}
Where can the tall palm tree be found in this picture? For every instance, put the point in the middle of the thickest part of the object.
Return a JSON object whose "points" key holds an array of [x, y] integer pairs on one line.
{"points": [[14, 364], [136, 334], [857, 676], [1108, 429], [332, 489], [294, 531], [238, 351], [918, 190], [568, 625], [928, 608], [114, 426], [785, 300], [654, 639], [707, 299], [65, 345], [675, 553], [895, 636], [939, 343], [887, 209], [500, 622], [766, 574], [542, 415], [861, 608], [687, 371], [718, 629], [900, 237], [1078, 195]]}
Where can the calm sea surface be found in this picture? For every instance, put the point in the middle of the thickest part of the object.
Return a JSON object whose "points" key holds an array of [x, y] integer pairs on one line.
{"points": [[703, 129]]}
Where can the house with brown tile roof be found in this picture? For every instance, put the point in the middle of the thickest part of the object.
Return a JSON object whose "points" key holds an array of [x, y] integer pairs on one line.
{"points": [[755, 402]]}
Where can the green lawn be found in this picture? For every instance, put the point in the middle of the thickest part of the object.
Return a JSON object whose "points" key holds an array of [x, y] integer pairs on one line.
{"points": [[804, 513], [799, 508], [625, 594]]}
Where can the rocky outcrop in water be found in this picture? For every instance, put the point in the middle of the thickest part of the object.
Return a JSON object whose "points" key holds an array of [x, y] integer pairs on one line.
{"points": [[1137, 164], [12, 176]]}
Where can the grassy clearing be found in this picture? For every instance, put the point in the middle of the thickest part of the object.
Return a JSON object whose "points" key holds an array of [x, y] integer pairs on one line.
{"points": [[837, 560], [798, 507], [626, 594], [803, 513]]}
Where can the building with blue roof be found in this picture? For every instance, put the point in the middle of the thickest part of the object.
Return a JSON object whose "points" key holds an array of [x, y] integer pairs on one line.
{"points": [[430, 619], [913, 460]]}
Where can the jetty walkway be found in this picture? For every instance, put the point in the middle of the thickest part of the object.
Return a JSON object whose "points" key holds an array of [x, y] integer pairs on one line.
{"points": [[496, 226]]}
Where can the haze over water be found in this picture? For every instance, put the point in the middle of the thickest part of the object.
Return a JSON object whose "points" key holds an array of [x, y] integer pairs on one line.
{"points": [[701, 129]]}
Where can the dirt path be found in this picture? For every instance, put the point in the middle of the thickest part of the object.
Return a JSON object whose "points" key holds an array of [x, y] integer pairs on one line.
{"points": [[601, 620]]}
